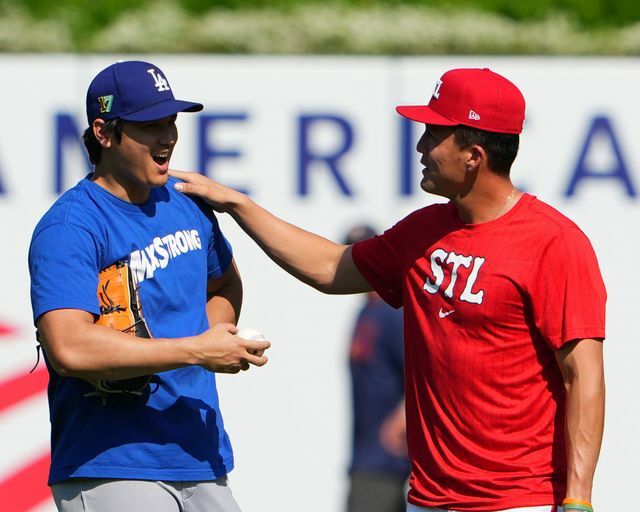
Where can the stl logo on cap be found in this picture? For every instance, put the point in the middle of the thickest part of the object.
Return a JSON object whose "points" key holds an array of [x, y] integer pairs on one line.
{"points": [[160, 82], [474, 97], [436, 90], [105, 103]]}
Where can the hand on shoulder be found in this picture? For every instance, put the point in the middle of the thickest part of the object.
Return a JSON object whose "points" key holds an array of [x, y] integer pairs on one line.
{"points": [[222, 199]]}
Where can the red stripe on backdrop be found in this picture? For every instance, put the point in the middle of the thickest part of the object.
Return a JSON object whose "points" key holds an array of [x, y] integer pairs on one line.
{"points": [[22, 387], [6, 329], [27, 487]]}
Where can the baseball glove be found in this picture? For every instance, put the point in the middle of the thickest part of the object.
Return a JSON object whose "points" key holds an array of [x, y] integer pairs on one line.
{"points": [[120, 309]]}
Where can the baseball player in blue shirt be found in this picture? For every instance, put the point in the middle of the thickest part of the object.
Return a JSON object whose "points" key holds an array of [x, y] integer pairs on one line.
{"points": [[163, 446]]}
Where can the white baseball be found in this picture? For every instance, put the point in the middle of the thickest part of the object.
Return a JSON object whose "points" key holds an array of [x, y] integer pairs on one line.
{"points": [[251, 335]]}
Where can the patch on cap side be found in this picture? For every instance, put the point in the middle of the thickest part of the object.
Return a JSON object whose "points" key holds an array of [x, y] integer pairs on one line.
{"points": [[106, 102]]}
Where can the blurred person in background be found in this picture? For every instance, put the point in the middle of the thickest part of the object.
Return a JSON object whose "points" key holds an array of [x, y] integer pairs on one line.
{"points": [[379, 464]]}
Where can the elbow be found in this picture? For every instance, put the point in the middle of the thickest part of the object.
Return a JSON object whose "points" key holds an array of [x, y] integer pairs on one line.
{"points": [[65, 337], [325, 282], [332, 276], [325, 288], [63, 362], [63, 371], [321, 272], [318, 284], [61, 366]]}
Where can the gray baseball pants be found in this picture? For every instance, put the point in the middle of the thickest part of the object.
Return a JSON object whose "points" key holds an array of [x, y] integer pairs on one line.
{"points": [[104, 495]]}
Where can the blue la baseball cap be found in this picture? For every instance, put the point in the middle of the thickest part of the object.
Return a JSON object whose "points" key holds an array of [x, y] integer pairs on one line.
{"points": [[134, 91]]}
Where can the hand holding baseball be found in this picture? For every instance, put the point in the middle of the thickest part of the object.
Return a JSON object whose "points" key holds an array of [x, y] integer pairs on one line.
{"points": [[252, 335], [218, 350]]}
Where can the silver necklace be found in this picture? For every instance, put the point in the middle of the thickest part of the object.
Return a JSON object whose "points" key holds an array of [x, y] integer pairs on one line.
{"points": [[504, 205]]}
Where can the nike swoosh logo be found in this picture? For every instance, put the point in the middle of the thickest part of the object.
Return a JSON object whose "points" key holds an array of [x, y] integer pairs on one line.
{"points": [[443, 314]]}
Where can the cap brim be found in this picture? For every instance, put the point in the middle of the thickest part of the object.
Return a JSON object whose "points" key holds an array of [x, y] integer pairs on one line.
{"points": [[163, 109], [424, 114]]}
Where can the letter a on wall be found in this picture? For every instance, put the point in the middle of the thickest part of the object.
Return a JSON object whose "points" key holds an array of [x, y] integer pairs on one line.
{"points": [[601, 129], [2, 189]]}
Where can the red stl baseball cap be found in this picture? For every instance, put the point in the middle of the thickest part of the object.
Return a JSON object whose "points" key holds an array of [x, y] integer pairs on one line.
{"points": [[478, 98]]}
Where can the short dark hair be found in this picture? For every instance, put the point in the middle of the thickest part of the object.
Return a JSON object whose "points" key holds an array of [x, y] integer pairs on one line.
{"points": [[113, 126], [501, 148]]}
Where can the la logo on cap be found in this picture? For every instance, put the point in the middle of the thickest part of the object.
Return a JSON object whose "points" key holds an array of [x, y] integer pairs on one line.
{"points": [[135, 91], [160, 82]]}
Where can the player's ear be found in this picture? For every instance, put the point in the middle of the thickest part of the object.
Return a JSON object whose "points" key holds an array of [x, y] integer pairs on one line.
{"points": [[101, 133], [475, 156]]}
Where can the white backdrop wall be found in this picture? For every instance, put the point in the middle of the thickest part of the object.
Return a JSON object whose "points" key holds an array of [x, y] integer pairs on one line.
{"points": [[269, 124]]}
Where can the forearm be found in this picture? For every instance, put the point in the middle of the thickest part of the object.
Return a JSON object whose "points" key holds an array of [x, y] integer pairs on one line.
{"points": [[310, 258], [581, 364], [76, 347], [583, 430], [221, 310], [97, 352], [224, 297]]}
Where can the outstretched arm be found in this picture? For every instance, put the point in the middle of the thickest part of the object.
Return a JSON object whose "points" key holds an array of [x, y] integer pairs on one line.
{"points": [[312, 259], [581, 363]]}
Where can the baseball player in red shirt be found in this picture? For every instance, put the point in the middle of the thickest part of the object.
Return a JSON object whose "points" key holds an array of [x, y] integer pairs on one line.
{"points": [[504, 311]]}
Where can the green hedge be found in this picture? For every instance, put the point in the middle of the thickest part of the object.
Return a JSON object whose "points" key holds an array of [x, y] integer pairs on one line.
{"points": [[592, 13], [330, 28]]}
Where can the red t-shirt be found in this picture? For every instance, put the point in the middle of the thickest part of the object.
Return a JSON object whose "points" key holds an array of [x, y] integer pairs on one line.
{"points": [[485, 306]]}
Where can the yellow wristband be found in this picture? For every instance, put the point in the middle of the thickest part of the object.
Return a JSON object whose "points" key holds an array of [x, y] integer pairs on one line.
{"points": [[571, 501]]}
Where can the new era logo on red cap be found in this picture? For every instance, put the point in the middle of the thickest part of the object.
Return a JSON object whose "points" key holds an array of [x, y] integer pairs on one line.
{"points": [[472, 97]]}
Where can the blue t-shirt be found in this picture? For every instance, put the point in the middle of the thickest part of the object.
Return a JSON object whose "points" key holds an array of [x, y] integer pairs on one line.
{"points": [[174, 245], [377, 384]]}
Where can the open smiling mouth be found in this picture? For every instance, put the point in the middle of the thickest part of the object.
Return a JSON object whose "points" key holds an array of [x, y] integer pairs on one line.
{"points": [[160, 159]]}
